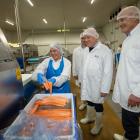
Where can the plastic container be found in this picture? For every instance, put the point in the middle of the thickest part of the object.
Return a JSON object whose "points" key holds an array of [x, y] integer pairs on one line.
{"points": [[31, 127]]}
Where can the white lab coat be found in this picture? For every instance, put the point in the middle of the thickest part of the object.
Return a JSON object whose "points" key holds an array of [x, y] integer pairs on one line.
{"points": [[97, 73], [65, 75], [128, 74], [77, 62]]}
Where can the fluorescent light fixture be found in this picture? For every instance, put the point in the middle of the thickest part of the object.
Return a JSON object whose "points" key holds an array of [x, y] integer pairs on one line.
{"points": [[84, 19], [9, 22], [59, 30], [63, 30], [15, 45], [30, 2], [44, 20], [91, 2]]}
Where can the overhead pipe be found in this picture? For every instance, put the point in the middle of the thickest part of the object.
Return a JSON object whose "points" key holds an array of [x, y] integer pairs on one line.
{"points": [[19, 32]]}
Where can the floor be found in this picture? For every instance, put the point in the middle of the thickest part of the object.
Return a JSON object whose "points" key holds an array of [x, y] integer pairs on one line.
{"points": [[116, 107], [111, 118]]}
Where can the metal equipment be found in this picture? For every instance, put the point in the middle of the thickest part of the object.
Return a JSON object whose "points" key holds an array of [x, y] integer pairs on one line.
{"points": [[11, 88]]}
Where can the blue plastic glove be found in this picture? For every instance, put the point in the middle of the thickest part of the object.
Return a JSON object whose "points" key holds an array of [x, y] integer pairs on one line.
{"points": [[40, 78], [52, 80]]}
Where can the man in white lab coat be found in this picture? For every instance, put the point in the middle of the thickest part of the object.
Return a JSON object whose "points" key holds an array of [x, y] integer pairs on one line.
{"points": [[77, 66], [127, 85], [97, 77]]}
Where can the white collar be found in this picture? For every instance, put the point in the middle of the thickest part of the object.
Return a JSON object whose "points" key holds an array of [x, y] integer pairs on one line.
{"points": [[136, 29]]}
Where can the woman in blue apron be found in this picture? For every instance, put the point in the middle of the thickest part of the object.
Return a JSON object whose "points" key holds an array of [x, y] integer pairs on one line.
{"points": [[55, 69]]}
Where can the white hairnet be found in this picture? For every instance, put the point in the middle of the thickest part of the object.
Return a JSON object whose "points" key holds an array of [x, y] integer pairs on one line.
{"points": [[129, 12], [58, 47], [91, 32], [81, 35]]}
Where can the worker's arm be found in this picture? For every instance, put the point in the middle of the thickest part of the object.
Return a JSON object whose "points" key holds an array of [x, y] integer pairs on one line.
{"points": [[74, 70], [134, 98], [41, 78], [41, 68]]}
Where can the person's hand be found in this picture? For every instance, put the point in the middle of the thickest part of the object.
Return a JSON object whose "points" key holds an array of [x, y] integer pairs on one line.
{"points": [[40, 78], [52, 80], [48, 86], [103, 94], [133, 100]]}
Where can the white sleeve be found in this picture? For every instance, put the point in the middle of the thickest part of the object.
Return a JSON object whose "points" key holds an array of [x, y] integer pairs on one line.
{"points": [[136, 71], [41, 68], [136, 91], [65, 75], [83, 59], [74, 71], [107, 72]]}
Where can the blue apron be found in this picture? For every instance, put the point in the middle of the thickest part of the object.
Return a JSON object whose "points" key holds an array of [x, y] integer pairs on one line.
{"points": [[65, 87]]}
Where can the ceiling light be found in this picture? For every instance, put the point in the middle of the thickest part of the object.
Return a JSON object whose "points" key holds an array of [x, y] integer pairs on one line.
{"points": [[84, 19], [44, 20], [9, 22], [92, 1], [63, 30], [14, 44], [30, 2], [59, 30]]}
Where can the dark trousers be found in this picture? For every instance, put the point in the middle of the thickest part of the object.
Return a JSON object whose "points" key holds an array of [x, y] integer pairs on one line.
{"points": [[98, 107], [130, 121]]}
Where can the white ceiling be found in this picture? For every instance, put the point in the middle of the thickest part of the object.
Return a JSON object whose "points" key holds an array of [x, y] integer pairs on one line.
{"points": [[58, 11]]}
